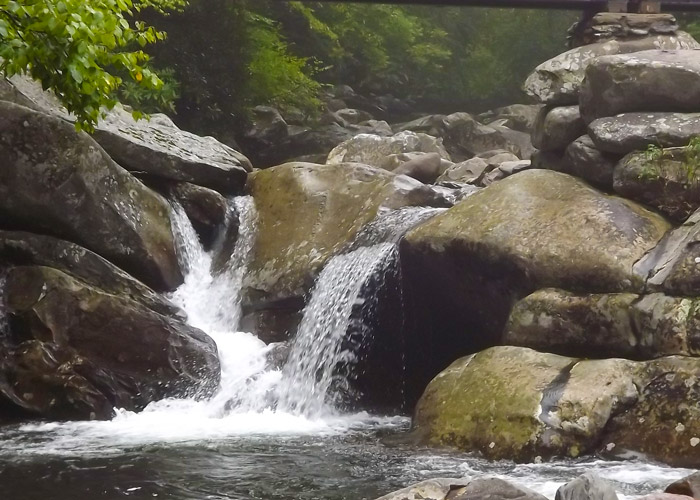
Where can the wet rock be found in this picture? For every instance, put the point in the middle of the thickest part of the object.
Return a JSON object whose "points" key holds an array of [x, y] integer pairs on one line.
{"points": [[21, 248], [584, 160], [593, 326], [373, 150], [520, 117], [556, 128], [75, 351], [673, 266], [652, 80], [489, 488], [205, 208], [558, 81], [505, 169], [434, 489], [465, 268], [425, 168], [664, 424], [629, 132], [61, 182], [689, 486], [469, 172], [515, 403], [588, 486], [667, 181]]}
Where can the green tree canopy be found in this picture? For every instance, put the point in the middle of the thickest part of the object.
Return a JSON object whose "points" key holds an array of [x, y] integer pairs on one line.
{"points": [[82, 50]]}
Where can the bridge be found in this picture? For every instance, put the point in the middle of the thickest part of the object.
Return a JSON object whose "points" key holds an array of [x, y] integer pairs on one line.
{"points": [[643, 6]]}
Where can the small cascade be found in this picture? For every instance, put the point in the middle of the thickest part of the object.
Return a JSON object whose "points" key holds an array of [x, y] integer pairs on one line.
{"points": [[316, 370]]}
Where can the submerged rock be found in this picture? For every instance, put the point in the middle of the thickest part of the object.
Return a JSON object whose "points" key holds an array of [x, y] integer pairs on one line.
{"points": [[61, 182], [75, 351], [515, 403], [205, 208]]}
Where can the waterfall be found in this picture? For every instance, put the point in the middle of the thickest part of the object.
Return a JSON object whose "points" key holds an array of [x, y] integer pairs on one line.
{"points": [[316, 369]]}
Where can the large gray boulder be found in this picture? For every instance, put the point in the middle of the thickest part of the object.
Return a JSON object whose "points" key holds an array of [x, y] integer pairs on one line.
{"points": [[83, 351], [464, 137], [436, 489], [61, 182], [652, 80], [558, 81], [629, 132], [465, 268], [22, 248], [666, 180], [557, 127], [374, 150], [154, 146]]}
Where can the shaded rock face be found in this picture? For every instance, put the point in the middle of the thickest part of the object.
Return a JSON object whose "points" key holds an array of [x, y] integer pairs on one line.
{"points": [[515, 403], [373, 150], [22, 248], [558, 81], [605, 325], [630, 132], [465, 268], [582, 159], [306, 214], [556, 128], [672, 266], [75, 351], [520, 117], [61, 182], [669, 183], [653, 80]]}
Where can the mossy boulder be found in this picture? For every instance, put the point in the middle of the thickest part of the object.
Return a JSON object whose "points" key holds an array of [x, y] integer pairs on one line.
{"points": [[61, 182], [605, 325], [516, 403], [74, 351], [465, 268], [666, 180]]}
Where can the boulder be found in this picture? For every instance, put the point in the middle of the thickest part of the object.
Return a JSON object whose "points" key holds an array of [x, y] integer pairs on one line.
{"points": [[664, 423], [629, 132], [652, 80], [549, 160], [205, 208], [591, 326], [425, 167], [558, 81], [469, 171], [465, 268], [557, 127], [689, 486], [488, 488], [588, 486], [605, 325], [432, 125], [434, 489], [268, 128], [21, 248], [353, 116], [515, 403], [625, 25], [584, 160], [61, 182], [520, 117], [519, 143], [373, 149], [505, 169], [76, 352], [666, 180], [673, 266], [306, 214], [153, 145], [464, 137]]}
